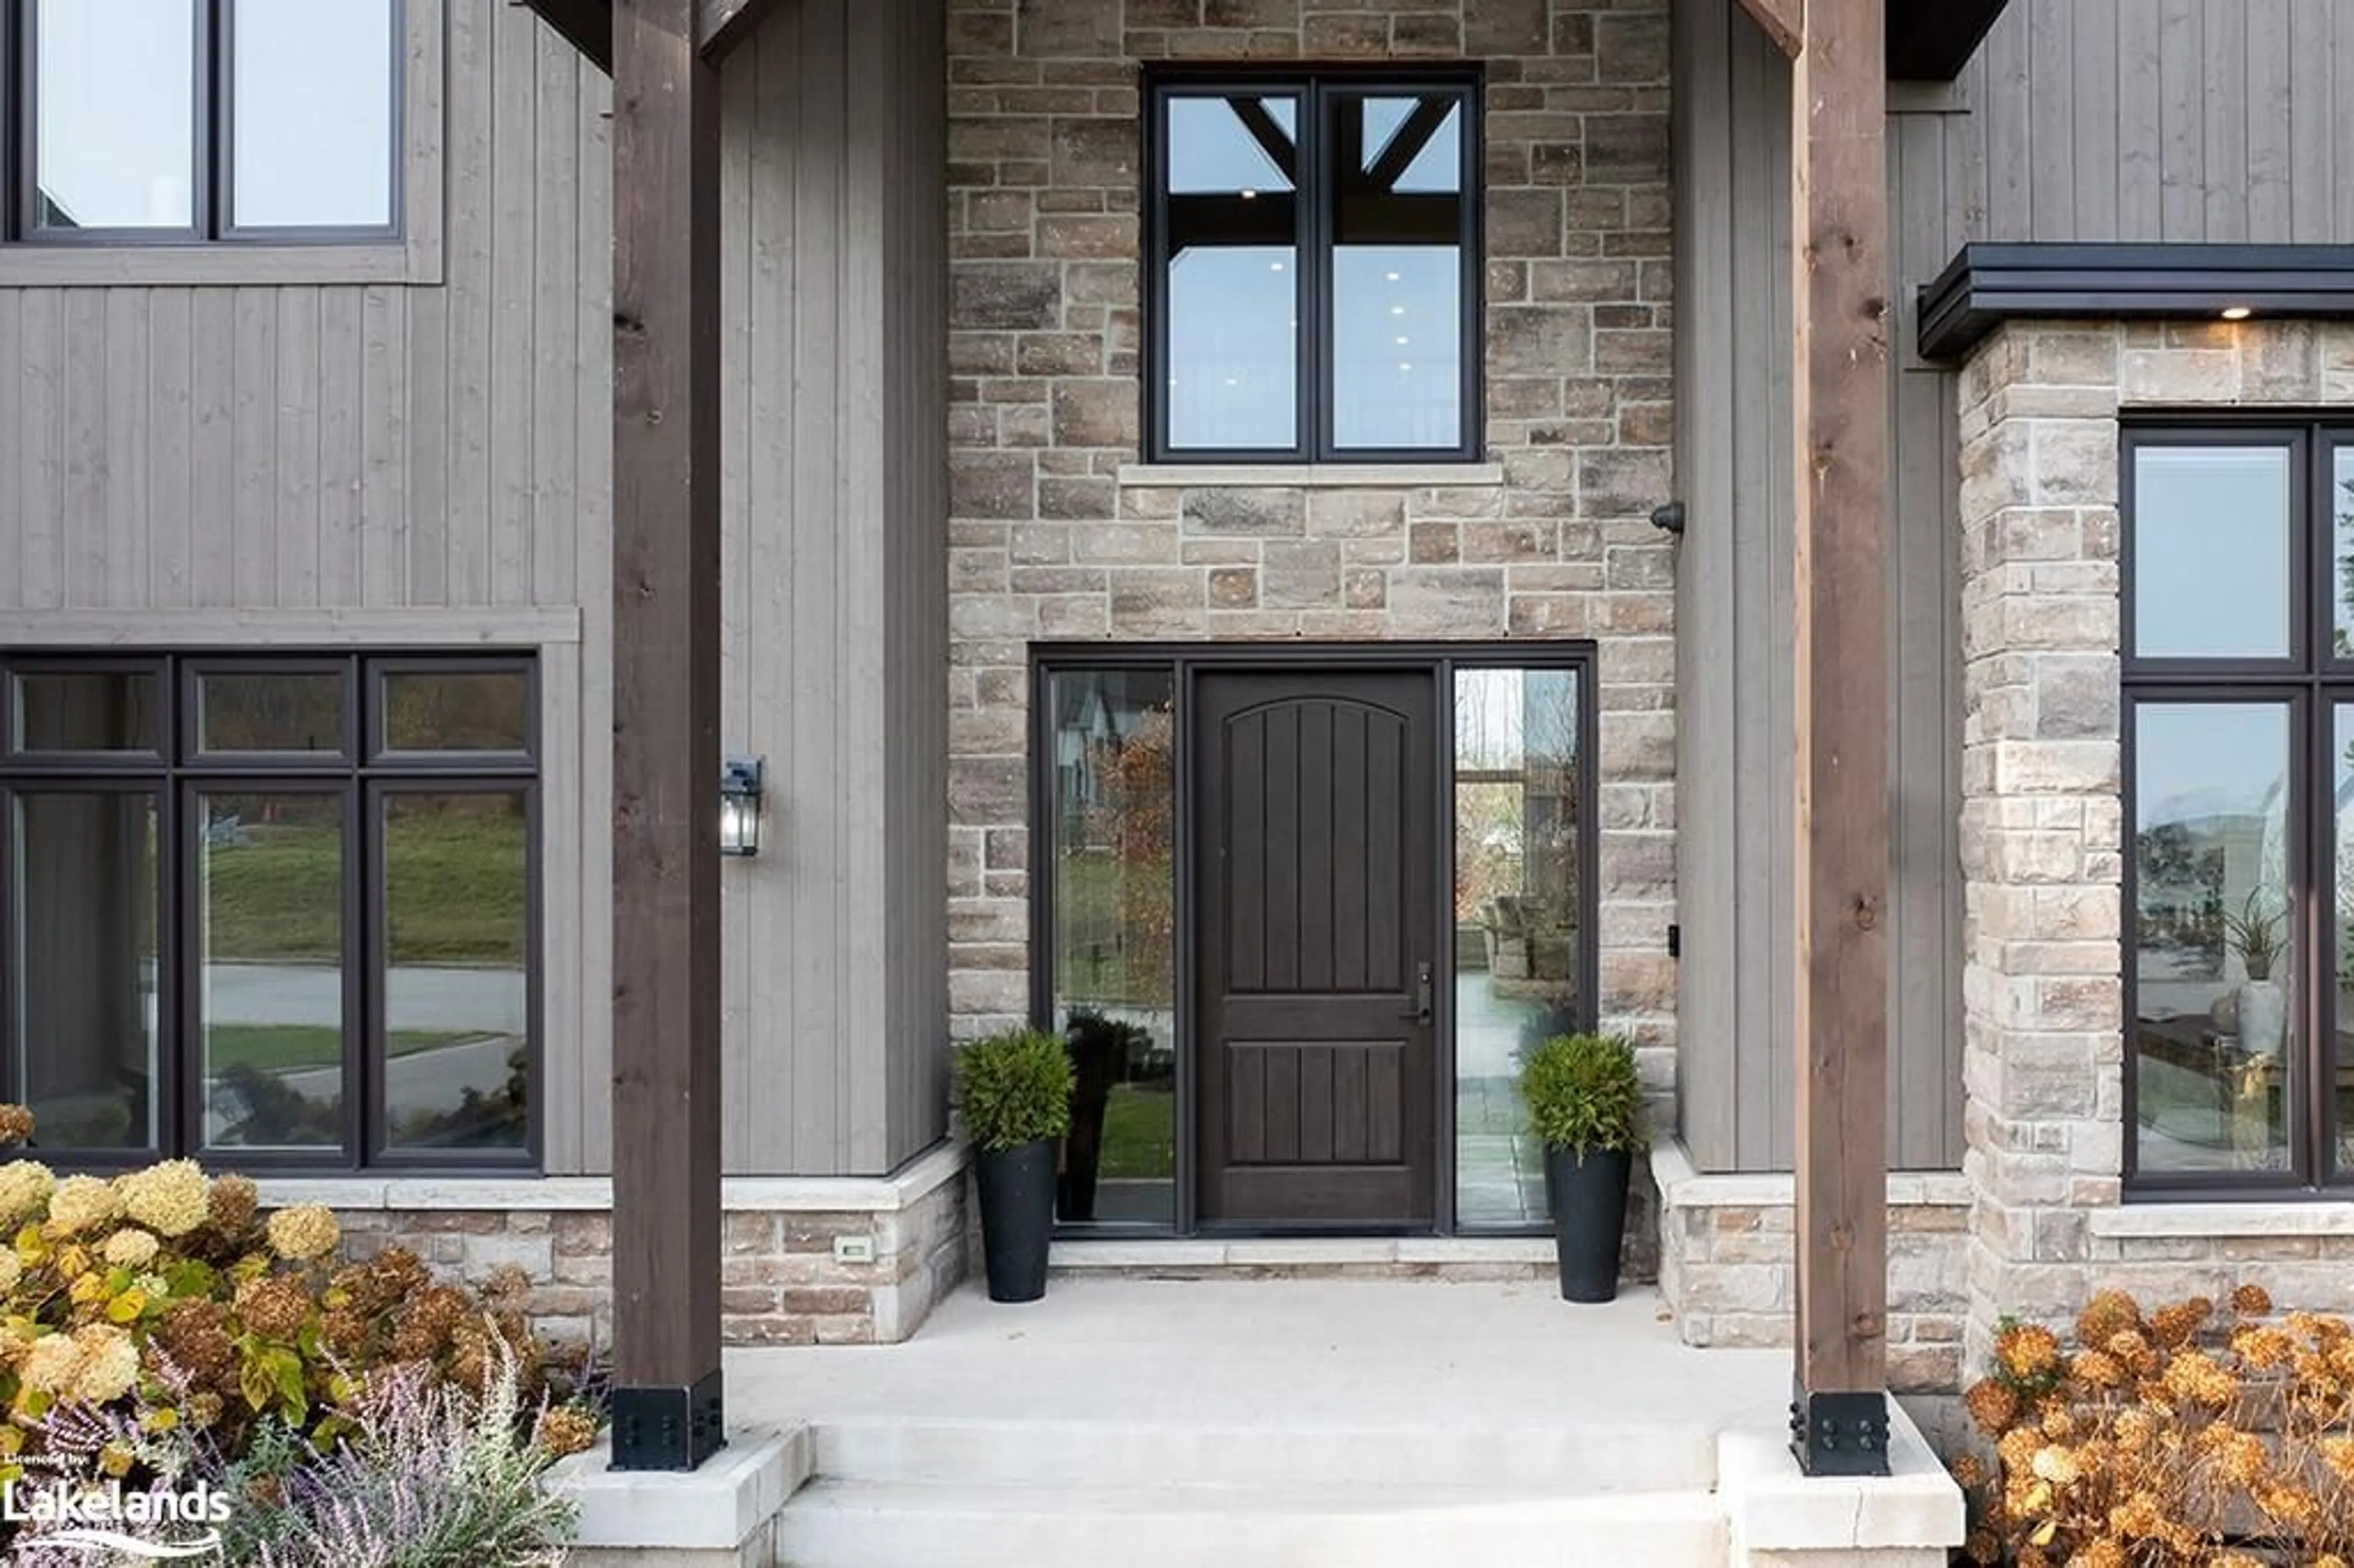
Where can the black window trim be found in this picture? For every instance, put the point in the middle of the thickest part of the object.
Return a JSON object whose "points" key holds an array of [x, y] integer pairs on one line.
{"points": [[1316, 86], [175, 777], [213, 179], [2312, 684]]}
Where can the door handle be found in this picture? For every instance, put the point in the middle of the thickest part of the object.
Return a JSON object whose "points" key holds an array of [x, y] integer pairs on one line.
{"points": [[1423, 1006]]}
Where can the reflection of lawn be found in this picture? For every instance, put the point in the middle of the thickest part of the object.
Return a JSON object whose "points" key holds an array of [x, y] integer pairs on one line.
{"points": [[455, 886], [1091, 965], [1140, 1142], [282, 1047]]}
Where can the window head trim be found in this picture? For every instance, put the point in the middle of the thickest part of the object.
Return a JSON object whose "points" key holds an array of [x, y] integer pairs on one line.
{"points": [[1318, 88]]}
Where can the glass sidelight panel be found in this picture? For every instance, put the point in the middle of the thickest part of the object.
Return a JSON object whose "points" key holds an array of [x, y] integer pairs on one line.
{"points": [[2338, 1093], [1520, 911], [2215, 1030], [271, 873], [2339, 505], [1114, 944], [457, 989], [84, 970]]}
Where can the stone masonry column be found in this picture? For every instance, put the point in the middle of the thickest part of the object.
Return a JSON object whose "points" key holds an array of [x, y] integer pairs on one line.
{"points": [[2041, 831]]}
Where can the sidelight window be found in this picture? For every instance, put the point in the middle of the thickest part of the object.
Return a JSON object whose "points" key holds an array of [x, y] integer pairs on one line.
{"points": [[1312, 280]]}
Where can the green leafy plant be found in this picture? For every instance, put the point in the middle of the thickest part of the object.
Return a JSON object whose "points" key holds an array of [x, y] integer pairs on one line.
{"points": [[1014, 1088], [1584, 1094], [2254, 933]]}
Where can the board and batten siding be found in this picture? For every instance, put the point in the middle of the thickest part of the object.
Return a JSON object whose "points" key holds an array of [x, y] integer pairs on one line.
{"points": [[835, 401], [2193, 120], [276, 460]]}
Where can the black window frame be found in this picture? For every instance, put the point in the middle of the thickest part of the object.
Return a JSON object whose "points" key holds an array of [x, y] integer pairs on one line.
{"points": [[2310, 684], [213, 177], [1317, 88], [362, 780]]}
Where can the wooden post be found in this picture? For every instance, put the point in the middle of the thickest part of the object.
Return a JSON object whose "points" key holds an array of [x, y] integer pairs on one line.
{"points": [[1839, 187], [667, 1411]]}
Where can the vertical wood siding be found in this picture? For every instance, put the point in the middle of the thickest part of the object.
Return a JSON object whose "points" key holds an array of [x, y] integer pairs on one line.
{"points": [[308, 447], [835, 554], [2095, 120]]}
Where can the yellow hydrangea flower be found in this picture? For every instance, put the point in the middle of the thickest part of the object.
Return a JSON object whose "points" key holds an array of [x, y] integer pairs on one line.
{"points": [[24, 1186], [50, 1364], [170, 1198], [81, 1203], [109, 1363], [131, 1248], [306, 1231]]}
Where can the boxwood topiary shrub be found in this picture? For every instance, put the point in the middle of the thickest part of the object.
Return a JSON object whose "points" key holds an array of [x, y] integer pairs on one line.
{"points": [[1584, 1094], [1014, 1088]]}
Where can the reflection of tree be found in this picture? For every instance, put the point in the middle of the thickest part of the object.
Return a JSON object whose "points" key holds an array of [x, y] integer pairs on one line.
{"points": [[1516, 827], [1136, 819], [2179, 881], [2343, 505]]}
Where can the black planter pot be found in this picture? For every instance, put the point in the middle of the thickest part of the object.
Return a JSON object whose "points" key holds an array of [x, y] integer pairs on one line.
{"points": [[1589, 1219], [1017, 1218]]}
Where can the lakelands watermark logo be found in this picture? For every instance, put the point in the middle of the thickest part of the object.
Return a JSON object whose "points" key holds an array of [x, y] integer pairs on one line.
{"points": [[156, 1524]]}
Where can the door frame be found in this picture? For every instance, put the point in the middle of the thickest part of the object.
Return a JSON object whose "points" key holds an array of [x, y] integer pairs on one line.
{"points": [[1186, 661]]}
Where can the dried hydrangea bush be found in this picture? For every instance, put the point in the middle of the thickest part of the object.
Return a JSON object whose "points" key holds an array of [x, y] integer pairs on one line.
{"points": [[2182, 1436], [162, 1311]]}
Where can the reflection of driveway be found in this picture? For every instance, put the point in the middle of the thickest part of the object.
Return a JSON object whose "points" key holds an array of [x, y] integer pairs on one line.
{"points": [[434, 1079], [419, 997]]}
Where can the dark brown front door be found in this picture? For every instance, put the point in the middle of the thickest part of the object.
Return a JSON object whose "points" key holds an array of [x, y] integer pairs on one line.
{"points": [[1315, 907]]}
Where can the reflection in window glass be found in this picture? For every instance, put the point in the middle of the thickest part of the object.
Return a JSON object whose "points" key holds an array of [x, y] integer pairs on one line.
{"points": [[272, 711], [464, 711], [84, 972], [2211, 552], [1397, 273], [457, 995], [270, 958], [2214, 1030], [1114, 953], [2341, 1102], [2340, 502], [313, 133], [116, 127], [1520, 912], [85, 710], [1233, 284]]}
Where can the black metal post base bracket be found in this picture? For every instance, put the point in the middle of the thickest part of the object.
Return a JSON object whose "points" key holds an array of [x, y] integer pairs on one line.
{"points": [[668, 1428], [1840, 1434]]}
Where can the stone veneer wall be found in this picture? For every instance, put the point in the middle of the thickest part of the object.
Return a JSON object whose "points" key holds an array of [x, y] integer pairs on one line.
{"points": [[780, 1282], [2043, 832], [1048, 543], [1728, 1265]]}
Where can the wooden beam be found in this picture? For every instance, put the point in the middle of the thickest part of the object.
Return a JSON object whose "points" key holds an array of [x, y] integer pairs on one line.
{"points": [[724, 23], [586, 24], [667, 967], [1783, 21], [1840, 191]]}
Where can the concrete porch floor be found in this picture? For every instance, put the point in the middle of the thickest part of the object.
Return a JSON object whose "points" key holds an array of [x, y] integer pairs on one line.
{"points": [[1289, 1353]]}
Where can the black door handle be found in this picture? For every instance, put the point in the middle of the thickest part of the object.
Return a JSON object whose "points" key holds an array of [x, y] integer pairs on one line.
{"points": [[1423, 1010]]}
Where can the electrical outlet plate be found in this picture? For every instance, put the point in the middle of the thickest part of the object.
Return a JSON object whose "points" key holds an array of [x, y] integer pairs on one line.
{"points": [[854, 1249]]}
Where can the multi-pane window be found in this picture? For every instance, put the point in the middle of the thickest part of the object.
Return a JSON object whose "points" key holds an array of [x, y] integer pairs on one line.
{"points": [[1312, 272], [2239, 725], [272, 910], [178, 120]]}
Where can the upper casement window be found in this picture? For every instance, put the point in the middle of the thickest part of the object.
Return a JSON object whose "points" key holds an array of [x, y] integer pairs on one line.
{"points": [[181, 121], [1312, 267]]}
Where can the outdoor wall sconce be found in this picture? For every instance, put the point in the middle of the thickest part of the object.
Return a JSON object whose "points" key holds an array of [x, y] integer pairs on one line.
{"points": [[741, 785]]}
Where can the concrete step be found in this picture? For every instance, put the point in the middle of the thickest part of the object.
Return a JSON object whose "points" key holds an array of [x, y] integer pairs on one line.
{"points": [[858, 1524], [1564, 1460]]}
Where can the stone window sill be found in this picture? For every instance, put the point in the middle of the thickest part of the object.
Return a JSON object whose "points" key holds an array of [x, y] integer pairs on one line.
{"points": [[1311, 476], [2224, 1219]]}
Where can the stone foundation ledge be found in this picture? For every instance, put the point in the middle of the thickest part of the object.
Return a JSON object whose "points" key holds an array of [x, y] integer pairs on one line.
{"points": [[1778, 1517], [1462, 1259], [721, 1516], [804, 1260], [1728, 1269]]}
